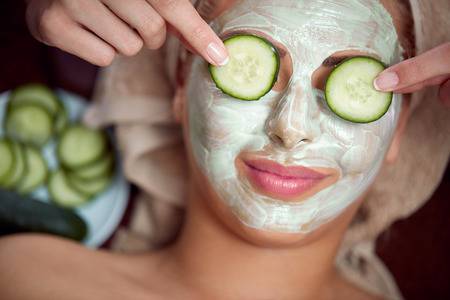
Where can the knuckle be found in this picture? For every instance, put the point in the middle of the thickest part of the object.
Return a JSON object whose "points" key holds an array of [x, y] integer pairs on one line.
{"points": [[199, 32], [167, 4], [50, 24], [154, 26], [154, 33], [132, 47], [105, 59]]}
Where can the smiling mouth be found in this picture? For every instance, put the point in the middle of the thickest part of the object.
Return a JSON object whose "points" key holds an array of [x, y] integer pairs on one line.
{"points": [[287, 183]]}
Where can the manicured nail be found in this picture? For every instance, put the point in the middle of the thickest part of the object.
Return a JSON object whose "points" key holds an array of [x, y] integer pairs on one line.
{"points": [[386, 81], [217, 54]]}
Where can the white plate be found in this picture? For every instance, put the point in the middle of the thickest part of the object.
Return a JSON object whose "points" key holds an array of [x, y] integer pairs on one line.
{"points": [[104, 213]]}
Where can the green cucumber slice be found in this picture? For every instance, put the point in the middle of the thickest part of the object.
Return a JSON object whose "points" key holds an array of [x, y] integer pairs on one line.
{"points": [[252, 70], [62, 120], [7, 160], [19, 166], [29, 124], [100, 168], [35, 94], [90, 187], [350, 94], [37, 171], [80, 146], [64, 194]]}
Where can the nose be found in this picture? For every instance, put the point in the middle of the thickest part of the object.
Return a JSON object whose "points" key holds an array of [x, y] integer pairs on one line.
{"points": [[293, 121]]}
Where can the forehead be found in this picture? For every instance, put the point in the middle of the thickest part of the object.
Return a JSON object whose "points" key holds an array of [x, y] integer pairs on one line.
{"points": [[324, 25]]}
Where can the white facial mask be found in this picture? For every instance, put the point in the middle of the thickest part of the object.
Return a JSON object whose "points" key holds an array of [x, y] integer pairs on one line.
{"points": [[221, 127]]}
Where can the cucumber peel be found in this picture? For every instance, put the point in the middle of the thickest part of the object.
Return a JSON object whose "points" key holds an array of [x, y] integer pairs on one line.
{"points": [[252, 69], [350, 93]]}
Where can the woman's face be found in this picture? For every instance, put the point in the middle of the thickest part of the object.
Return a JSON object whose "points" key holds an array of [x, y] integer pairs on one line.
{"points": [[287, 163]]}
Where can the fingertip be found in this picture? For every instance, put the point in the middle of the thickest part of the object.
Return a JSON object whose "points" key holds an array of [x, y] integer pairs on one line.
{"points": [[386, 81], [217, 54], [105, 58]]}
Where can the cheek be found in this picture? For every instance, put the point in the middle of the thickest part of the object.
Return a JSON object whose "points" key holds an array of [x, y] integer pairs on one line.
{"points": [[362, 145]]}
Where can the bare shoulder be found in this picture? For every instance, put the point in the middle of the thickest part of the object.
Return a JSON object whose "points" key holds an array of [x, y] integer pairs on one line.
{"points": [[53, 268]]}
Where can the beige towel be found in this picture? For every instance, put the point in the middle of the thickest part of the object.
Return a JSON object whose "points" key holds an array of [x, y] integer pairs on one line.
{"points": [[135, 95]]}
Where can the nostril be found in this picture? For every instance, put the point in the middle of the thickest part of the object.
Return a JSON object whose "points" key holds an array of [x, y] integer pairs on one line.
{"points": [[304, 141], [277, 139], [288, 142]]}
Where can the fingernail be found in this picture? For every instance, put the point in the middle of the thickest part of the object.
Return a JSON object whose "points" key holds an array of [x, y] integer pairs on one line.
{"points": [[217, 54], [386, 81]]}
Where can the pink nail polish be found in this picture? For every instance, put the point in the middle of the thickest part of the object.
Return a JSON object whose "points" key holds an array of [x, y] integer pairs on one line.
{"points": [[386, 81], [217, 54]]}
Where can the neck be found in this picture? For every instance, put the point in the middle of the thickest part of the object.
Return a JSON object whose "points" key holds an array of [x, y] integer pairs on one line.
{"points": [[220, 265]]}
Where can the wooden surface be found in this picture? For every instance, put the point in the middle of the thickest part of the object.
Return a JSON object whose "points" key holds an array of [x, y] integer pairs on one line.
{"points": [[416, 250]]}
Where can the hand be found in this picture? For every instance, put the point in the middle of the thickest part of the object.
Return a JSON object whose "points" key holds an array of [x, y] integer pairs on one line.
{"points": [[428, 69], [96, 30]]}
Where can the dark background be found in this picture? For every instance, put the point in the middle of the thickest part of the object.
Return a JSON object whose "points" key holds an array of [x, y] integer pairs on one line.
{"points": [[416, 250]]}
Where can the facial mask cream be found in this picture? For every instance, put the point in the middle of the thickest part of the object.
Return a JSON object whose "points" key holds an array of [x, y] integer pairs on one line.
{"points": [[221, 128]]}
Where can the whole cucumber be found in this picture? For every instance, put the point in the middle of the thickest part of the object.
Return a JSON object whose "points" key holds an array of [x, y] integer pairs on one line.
{"points": [[22, 214]]}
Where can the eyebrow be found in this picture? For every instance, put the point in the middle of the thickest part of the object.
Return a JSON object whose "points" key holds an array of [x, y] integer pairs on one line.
{"points": [[332, 61]]}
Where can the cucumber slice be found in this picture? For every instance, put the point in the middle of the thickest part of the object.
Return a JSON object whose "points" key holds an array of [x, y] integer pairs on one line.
{"points": [[23, 214], [7, 160], [89, 187], [80, 146], [19, 166], [350, 94], [35, 94], [29, 124], [252, 70], [100, 168], [62, 120], [37, 171], [62, 193]]}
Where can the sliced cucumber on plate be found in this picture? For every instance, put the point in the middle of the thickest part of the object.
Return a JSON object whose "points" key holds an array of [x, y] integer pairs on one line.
{"points": [[35, 94], [252, 69], [29, 124], [37, 171], [40, 95], [89, 187], [81, 146], [34, 116], [99, 169], [63, 193], [7, 160], [20, 166], [350, 93]]}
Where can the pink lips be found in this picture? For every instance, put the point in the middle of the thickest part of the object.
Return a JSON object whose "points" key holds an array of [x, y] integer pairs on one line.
{"points": [[282, 182]]}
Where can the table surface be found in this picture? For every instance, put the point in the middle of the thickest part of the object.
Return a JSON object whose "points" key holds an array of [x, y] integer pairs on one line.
{"points": [[416, 250]]}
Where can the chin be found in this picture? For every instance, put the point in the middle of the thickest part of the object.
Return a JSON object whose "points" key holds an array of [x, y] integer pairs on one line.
{"points": [[228, 219]]}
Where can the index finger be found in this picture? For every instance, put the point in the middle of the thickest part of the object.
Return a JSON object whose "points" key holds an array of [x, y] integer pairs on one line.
{"points": [[413, 71], [183, 16]]}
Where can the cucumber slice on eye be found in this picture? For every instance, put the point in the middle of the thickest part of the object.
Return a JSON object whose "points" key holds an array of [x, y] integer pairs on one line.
{"points": [[350, 94], [252, 70]]}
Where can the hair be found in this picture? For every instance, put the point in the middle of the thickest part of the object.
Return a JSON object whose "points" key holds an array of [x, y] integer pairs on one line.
{"points": [[406, 31]]}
